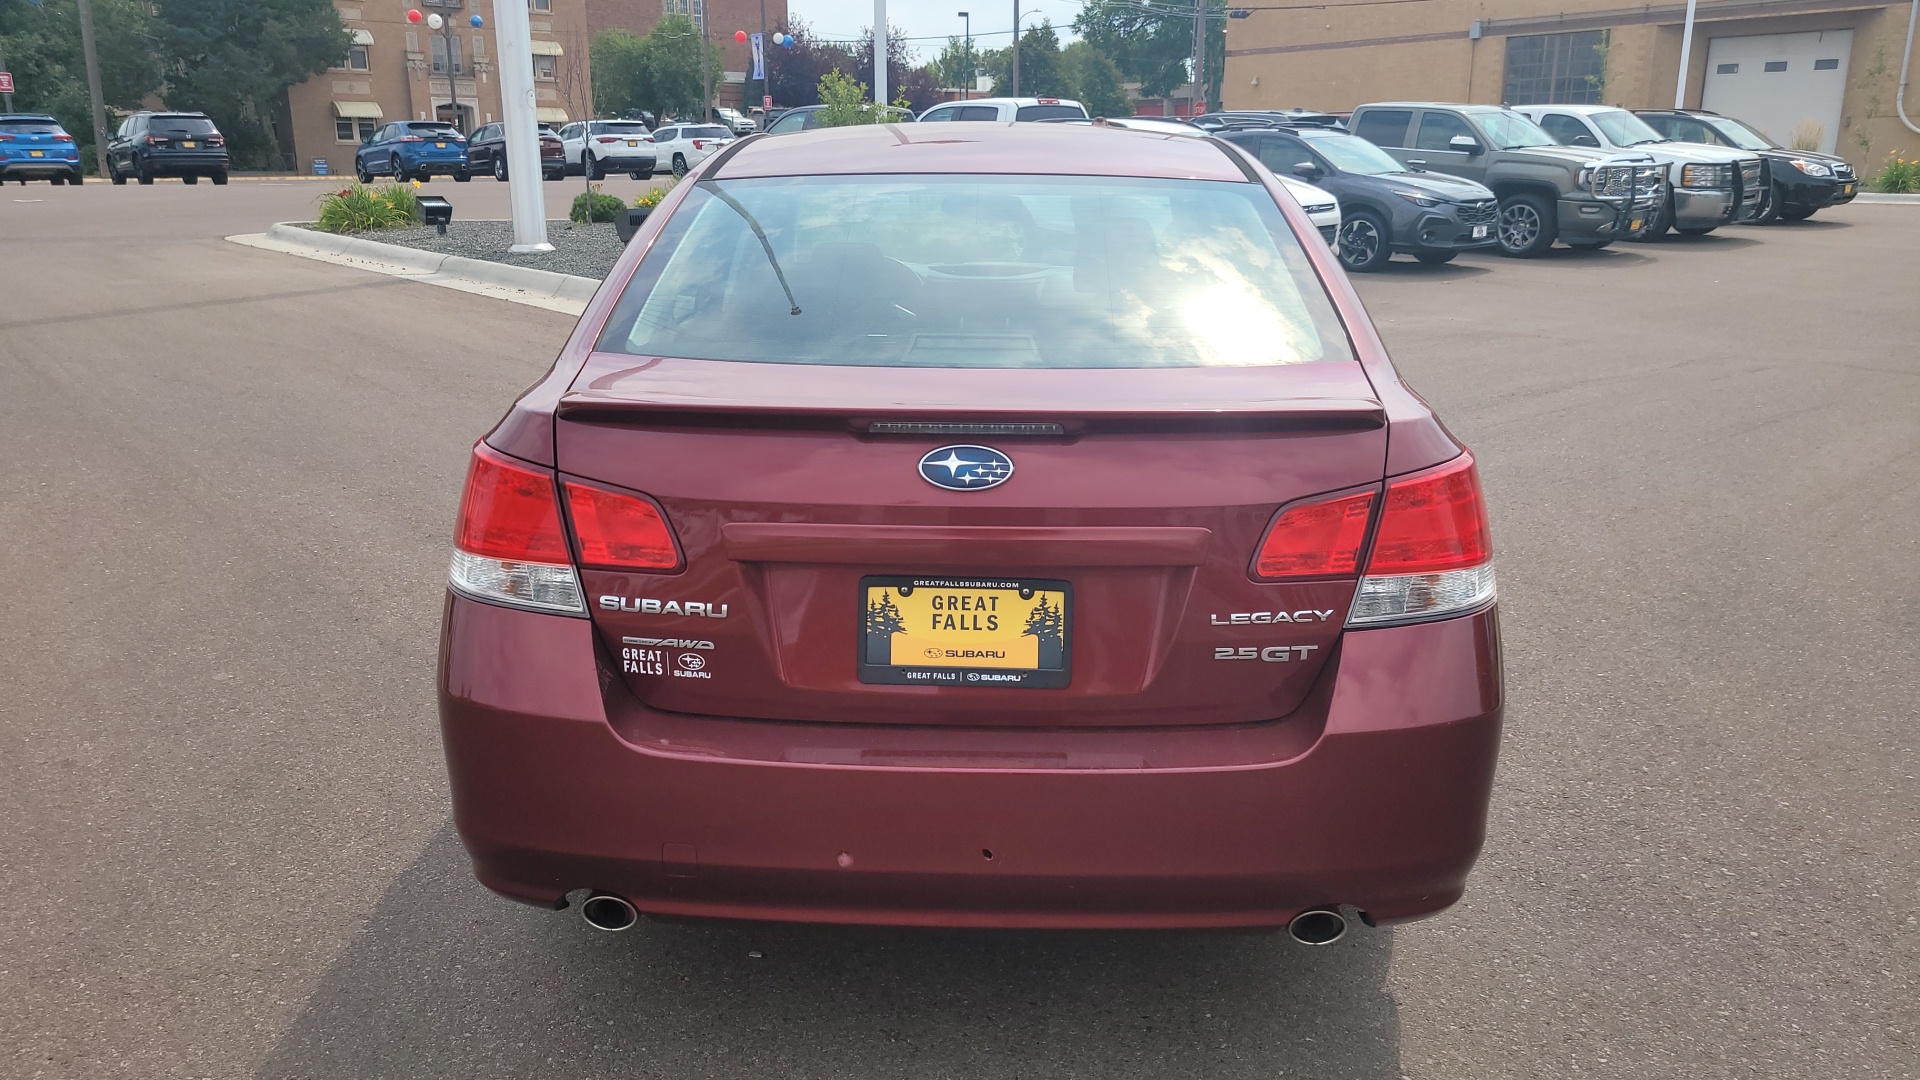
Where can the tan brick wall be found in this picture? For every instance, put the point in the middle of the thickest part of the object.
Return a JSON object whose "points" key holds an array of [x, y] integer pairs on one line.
{"points": [[399, 76]]}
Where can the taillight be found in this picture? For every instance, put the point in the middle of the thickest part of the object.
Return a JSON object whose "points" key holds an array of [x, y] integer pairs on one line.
{"points": [[617, 531], [1316, 539], [216, 140], [155, 140], [508, 544], [606, 138], [412, 138], [62, 138], [699, 144], [6, 138], [1432, 556]]}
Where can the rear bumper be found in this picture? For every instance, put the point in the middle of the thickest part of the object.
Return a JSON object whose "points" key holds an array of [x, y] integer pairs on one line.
{"points": [[439, 166], [29, 168], [627, 161], [1373, 794], [184, 164]]}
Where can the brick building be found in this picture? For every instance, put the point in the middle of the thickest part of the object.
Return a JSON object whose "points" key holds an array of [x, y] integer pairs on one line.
{"points": [[723, 18], [1813, 71], [398, 70]]}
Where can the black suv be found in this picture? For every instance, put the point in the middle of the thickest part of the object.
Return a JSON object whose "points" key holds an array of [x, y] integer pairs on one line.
{"points": [[182, 144], [1801, 180], [1384, 207]]}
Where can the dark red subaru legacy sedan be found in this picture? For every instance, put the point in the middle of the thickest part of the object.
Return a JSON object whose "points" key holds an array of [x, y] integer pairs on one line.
{"points": [[1000, 526]]}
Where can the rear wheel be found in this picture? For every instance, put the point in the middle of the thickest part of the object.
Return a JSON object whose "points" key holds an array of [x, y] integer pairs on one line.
{"points": [[1527, 226], [679, 164], [1435, 258], [397, 170], [146, 174], [592, 166], [1363, 242], [500, 169], [637, 175]]}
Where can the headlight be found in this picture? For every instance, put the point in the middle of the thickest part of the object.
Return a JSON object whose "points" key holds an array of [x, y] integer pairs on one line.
{"points": [[1705, 176], [1418, 198], [1811, 168]]}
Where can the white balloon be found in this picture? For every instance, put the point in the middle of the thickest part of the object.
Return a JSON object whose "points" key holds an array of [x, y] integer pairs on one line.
{"points": [[434, 22]]}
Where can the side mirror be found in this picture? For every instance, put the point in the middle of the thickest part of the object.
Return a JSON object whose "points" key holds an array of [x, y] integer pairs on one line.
{"points": [[1465, 144], [1307, 170], [1585, 140]]}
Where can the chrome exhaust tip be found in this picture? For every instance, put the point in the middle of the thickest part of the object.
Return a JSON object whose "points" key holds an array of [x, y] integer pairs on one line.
{"points": [[1320, 926], [605, 911]]}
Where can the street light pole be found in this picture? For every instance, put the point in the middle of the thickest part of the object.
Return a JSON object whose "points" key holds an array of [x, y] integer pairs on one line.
{"points": [[1016, 48], [966, 91], [880, 54], [1686, 60], [513, 44]]}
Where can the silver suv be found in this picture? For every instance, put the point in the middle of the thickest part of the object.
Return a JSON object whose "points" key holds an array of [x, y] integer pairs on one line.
{"points": [[1006, 109], [1707, 186]]}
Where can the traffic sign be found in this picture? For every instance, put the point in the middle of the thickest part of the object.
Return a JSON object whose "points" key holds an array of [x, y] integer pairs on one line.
{"points": [[6, 82], [766, 101]]}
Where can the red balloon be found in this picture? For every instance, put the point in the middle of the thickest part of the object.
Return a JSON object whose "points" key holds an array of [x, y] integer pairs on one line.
{"points": [[413, 15], [740, 36]]}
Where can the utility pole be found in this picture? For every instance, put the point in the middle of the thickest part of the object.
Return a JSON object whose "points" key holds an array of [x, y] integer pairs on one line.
{"points": [[6, 99], [1016, 48], [706, 69], [513, 45], [93, 87], [1199, 57], [880, 54], [765, 67], [1686, 59]]}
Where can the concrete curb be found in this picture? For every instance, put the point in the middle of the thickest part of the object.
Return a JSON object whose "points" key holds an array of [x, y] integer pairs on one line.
{"points": [[517, 284], [1877, 197]]}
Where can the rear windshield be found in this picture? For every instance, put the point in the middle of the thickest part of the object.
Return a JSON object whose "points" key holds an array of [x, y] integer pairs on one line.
{"points": [[978, 272], [712, 131], [1049, 112], [30, 127], [184, 125], [621, 128], [431, 130]]}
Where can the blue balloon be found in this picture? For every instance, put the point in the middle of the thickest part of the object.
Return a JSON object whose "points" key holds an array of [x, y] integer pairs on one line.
{"points": [[476, 22]]}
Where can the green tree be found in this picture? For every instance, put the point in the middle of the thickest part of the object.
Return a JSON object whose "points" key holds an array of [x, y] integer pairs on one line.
{"points": [[670, 57], [235, 59], [955, 64], [1094, 80], [620, 75], [845, 102], [1152, 43], [1040, 74], [42, 44]]}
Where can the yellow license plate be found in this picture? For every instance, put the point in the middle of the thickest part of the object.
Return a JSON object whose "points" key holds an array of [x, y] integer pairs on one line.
{"points": [[930, 631], [439, 146], [1846, 189], [36, 153], [633, 142], [189, 144], [1634, 225]]}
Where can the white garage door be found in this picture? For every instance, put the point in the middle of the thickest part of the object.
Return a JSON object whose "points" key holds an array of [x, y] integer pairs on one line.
{"points": [[1784, 84]]}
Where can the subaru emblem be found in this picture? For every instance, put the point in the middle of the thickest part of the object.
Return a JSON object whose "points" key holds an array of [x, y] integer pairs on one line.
{"points": [[966, 468]]}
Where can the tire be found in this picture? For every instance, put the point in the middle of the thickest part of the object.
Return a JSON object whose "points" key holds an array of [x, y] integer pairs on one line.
{"points": [[592, 166], [360, 172], [462, 176], [1795, 215], [1589, 245], [1769, 206], [397, 170], [115, 174], [1363, 244], [1658, 227], [500, 169], [56, 181], [1527, 226], [640, 175], [1435, 258], [146, 175], [76, 179], [190, 179], [1696, 230], [679, 164]]}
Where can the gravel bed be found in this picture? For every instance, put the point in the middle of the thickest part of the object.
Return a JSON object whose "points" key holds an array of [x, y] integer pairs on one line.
{"points": [[583, 250]]}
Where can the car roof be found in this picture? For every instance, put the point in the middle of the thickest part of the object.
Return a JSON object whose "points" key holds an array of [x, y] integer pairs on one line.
{"points": [[42, 117], [989, 147], [1432, 105], [1008, 101], [1578, 110]]}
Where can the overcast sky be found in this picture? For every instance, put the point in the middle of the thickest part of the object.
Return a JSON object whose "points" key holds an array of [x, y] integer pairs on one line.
{"points": [[932, 21]]}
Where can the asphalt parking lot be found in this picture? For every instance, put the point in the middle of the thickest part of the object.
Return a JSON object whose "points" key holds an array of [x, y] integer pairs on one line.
{"points": [[224, 518]]}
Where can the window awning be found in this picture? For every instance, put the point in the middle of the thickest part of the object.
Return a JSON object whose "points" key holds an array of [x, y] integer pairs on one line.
{"points": [[551, 115], [362, 37], [548, 48], [357, 110]]}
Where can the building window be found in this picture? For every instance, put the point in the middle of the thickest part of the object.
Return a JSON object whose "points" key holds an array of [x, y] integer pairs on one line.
{"points": [[543, 67], [348, 130], [1727, 69], [439, 46], [357, 58], [1826, 65], [1776, 65], [692, 9], [545, 7], [1556, 69]]}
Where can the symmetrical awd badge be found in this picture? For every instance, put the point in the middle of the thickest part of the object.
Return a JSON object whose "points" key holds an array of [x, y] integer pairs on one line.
{"points": [[966, 468]]}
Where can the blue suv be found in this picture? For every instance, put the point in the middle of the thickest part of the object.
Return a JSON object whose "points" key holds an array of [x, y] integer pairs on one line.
{"points": [[33, 146], [413, 150]]}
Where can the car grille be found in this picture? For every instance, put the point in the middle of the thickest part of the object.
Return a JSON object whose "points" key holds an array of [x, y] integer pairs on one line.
{"points": [[1613, 183], [1842, 171], [1327, 233], [1482, 212]]}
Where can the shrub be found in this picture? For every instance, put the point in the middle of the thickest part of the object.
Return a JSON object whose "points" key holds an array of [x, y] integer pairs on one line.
{"points": [[654, 196], [1808, 135], [359, 208], [594, 206], [1899, 176]]}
